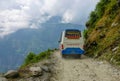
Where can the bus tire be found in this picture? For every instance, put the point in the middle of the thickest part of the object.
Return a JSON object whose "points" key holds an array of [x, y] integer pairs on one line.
{"points": [[63, 56], [78, 56]]}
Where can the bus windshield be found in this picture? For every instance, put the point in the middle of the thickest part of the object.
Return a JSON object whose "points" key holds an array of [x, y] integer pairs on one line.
{"points": [[72, 34]]}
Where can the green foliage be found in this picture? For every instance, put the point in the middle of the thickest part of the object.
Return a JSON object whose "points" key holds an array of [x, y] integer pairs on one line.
{"points": [[100, 8], [85, 33], [93, 18], [112, 9], [97, 13], [33, 58], [30, 58]]}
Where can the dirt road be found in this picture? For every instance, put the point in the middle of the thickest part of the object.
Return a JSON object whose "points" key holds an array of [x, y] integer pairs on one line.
{"points": [[84, 69]]}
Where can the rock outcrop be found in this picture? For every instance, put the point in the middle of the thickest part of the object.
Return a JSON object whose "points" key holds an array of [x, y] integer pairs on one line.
{"points": [[11, 74], [3, 79], [35, 71], [40, 71]]}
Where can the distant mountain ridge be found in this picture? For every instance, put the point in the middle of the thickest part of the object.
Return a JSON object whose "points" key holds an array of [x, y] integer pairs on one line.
{"points": [[14, 47]]}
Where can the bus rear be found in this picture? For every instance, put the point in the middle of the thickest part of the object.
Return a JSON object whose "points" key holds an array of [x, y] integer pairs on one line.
{"points": [[71, 42]]}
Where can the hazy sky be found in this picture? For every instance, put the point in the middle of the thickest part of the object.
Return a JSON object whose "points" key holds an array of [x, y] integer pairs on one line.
{"points": [[18, 14]]}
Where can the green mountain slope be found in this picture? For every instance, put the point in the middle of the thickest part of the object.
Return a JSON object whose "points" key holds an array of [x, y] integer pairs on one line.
{"points": [[103, 33]]}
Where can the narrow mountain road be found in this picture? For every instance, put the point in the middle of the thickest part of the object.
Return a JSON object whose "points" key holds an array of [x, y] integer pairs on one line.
{"points": [[84, 69]]}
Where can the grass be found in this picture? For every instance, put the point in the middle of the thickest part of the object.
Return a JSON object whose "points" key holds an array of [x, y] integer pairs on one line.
{"points": [[85, 33], [100, 23], [34, 58]]}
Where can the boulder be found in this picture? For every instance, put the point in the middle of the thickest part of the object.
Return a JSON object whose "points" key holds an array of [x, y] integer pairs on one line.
{"points": [[46, 63], [11, 74], [3, 79], [35, 71], [114, 49], [45, 68], [102, 36], [114, 24]]}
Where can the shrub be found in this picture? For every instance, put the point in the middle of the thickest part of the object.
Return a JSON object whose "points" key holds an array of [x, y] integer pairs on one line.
{"points": [[97, 13], [101, 6], [113, 7], [93, 18], [29, 58], [85, 33], [33, 58]]}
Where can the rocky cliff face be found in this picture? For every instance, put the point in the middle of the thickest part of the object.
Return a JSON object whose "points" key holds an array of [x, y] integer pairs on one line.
{"points": [[103, 32], [36, 67], [40, 71]]}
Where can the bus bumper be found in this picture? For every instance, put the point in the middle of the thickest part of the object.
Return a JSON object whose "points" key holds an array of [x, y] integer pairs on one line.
{"points": [[72, 51]]}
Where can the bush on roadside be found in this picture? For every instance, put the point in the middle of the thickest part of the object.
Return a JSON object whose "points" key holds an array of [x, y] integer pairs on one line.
{"points": [[33, 58], [85, 33]]}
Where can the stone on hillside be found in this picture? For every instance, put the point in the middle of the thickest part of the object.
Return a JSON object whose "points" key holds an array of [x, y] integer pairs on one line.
{"points": [[3, 79], [11, 74], [114, 24], [45, 68], [113, 50], [47, 63], [102, 36], [35, 71], [52, 79]]}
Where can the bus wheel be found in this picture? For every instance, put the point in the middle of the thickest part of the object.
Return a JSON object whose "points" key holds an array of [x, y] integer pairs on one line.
{"points": [[78, 56], [63, 56]]}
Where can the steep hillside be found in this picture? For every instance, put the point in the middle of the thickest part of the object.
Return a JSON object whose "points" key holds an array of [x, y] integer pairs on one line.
{"points": [[103, 32]]}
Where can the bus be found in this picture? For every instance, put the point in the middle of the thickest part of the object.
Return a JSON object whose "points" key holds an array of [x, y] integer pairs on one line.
{"points": [[71, 43]]}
